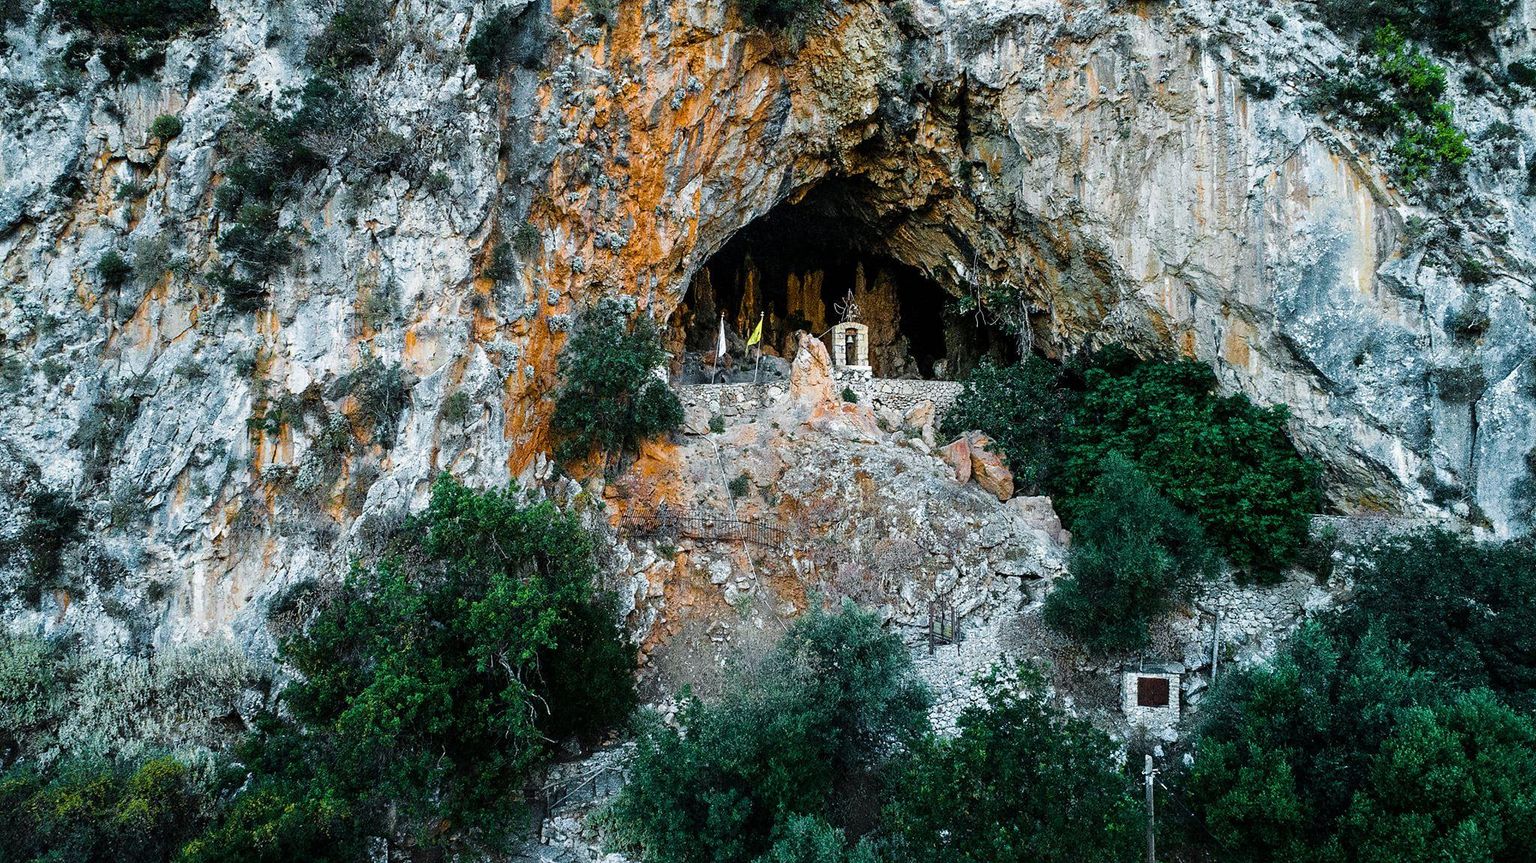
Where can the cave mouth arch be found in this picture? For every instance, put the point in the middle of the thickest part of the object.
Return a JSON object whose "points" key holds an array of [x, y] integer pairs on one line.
{"points": [[795, 268]]}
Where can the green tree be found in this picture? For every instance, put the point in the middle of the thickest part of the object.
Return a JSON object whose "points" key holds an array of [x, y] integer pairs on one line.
{"points": [[1465, 610], [1133, 554], [1022, 782], [427, 690], [1222, 459], [1023, 408], [1342, 750], [809, 839], [816, 717], [1450, 783], [1461, 26], [90, 810], [609, 397]]}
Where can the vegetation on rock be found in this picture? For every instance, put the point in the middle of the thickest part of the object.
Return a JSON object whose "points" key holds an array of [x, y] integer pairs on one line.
{"points": [[789, 740], [1224, 460], [1037, 786], [1023, 408], [1133, 554], [1449, 25], [429, 688], [609, 398], [1393, 89], [824, 755], [505, 40]]}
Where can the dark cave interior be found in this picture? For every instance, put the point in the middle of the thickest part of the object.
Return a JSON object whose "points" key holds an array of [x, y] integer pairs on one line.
{"points": [[797, 267]]}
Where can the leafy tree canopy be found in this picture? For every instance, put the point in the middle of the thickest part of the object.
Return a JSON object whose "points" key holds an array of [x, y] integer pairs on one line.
{"points": [[1223, 459], [1133, 554], [815, 717], [1022, 782], [609, 399], [1342, 752], [430, 686], [1022, 407], [1465, 610]]}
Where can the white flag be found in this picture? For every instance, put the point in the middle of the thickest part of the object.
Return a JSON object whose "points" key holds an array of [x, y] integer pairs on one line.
{"points": [[720, 351]]}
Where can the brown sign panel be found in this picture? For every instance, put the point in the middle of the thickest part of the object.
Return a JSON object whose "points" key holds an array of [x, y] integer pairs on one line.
{"points": [[1151, 692]]}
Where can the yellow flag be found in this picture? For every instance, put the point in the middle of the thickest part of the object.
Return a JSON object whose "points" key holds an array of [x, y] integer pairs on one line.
{"points": [[757, 334]]}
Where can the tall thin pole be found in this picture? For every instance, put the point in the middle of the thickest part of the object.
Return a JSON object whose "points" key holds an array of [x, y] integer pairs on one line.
{"points": [[1215, 645], [1147, 774]]}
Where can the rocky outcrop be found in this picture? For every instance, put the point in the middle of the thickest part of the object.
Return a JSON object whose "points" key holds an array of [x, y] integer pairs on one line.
{"points": [[1104, 160]]}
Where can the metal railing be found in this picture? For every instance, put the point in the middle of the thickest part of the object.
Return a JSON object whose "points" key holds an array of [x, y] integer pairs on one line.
{"points": [[667, 523]]}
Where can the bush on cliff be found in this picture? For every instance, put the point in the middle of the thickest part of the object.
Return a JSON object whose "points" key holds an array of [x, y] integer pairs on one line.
{"points": [[434, 685], [609, 397], [1341, 751], [802, 737], [1133, 554], [1023, 407], [1450, 25], [1222, 459], [1023, 782], [1463, 609], [791, 17]]}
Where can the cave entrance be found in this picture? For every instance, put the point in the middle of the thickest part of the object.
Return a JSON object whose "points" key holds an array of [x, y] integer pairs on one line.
{"points": [[799, 268]]}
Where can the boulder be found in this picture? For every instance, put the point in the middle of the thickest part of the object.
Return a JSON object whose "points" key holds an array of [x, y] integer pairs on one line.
{"points": [[1039, 513], [958, 454], [988, 468], [921, 418], [810, 376]]}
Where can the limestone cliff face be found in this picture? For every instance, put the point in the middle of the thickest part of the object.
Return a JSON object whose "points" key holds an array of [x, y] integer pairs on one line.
{"points": [[1105, 158]]}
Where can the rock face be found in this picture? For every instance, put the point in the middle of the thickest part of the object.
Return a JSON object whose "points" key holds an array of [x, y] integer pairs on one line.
{"points": [[1104, 159], [834, 507], [987, 467]]}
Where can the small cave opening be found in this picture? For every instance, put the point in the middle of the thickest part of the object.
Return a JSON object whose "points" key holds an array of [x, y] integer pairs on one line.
{"points": [[809, 266]]}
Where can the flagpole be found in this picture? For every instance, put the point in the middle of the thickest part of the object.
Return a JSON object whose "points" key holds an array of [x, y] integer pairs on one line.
{"points": [[759, 363]]}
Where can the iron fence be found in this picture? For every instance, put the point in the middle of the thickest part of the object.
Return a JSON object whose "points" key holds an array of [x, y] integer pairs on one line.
{"points": [[668, 523]]}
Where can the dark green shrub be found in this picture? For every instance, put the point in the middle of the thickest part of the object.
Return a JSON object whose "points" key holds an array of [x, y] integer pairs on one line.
{"points": [[809, 839], [1459, 384], [738, 486], [1022, 408], [1468, 321], [53, 522], [1462, 609], [1022, 783], [383, 393], [1393, 89], [850, 396], [1133, 555], [505, 40], [1223, 459], [609, 398], [786, 16], [502, 265], [456, 408], [146, 19], [1339, 750], [113, 269], [1259, 88], [1450, 25], [1522, 72], [270, 152], [717, 424], [91, 810], [429, 688], [588, 674], [165, 127], [796, 737], [130, 34], [352, 37]]}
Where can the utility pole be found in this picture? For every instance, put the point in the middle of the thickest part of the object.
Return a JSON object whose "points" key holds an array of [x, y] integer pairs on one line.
{"points": [[1147, 773]]}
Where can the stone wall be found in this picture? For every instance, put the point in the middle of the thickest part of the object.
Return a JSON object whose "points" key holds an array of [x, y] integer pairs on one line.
{"points": [[738, 402]]}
